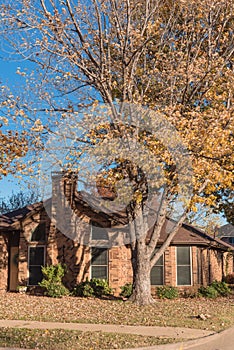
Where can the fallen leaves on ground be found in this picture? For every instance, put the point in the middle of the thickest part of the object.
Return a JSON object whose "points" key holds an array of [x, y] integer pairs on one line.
{"points": [[178, 312]]}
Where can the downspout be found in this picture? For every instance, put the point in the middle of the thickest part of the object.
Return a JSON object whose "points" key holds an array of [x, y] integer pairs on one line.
{"points": [[209, 266], [199, 266], [222, 262], [9, 261]]}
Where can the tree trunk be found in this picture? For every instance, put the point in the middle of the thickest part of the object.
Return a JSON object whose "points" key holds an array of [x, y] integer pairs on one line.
{"points": [[141, 294]]}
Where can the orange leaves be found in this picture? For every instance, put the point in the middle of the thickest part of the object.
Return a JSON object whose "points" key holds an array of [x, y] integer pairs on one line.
{"points": [[12, 147]]}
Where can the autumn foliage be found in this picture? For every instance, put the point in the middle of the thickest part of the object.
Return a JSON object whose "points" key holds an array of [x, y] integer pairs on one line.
{"points": [[175, 58], [12, 148]]}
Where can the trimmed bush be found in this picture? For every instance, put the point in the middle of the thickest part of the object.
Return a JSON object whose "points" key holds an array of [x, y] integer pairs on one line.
{"points": [[100, 287], [95, 287], [221, 287], [83, 289], [167, 292], [126, 290], [208, 292], [214, 290], [52, 281]]}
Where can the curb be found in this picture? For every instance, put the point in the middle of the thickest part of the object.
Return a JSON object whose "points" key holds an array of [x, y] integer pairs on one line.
{"points": [[191, 344]]}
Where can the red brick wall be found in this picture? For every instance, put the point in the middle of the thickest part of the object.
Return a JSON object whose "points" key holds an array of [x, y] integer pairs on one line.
{"points": [[75, 256], [207, 265], [120, 268], [3, 262]]}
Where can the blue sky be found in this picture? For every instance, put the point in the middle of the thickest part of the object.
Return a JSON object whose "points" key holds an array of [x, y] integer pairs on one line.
{"points": [[9, 78]]}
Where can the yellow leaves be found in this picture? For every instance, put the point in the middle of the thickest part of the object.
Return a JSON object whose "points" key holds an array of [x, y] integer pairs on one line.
{"points": [[37, 127], [19, 72], [12, 147], [22, 113], [138, 196], [3, 172], [67, 75], [4, 120], [210, 188]]}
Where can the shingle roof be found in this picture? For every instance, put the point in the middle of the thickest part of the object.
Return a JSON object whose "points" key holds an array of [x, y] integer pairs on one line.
{"points": [[8, 220], [226, 231]]}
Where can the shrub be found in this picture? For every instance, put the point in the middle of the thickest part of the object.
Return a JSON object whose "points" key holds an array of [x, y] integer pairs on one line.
{"points": [[221, 287], [208, 292], [230, 278], [83, 289], [126, 290], [214, 290], [95, 287], [52, 281], [100, 287], [167, 292]]}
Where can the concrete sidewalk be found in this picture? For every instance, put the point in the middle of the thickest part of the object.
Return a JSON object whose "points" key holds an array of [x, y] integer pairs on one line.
{"points": [[164, 332], [202, 339]]}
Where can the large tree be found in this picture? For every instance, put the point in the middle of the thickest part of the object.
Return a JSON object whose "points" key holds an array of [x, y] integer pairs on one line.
{"points": [[173, 57]]}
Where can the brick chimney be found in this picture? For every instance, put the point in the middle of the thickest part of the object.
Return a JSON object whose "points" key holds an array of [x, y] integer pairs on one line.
{"points": [[63, 189], [64, 213]]}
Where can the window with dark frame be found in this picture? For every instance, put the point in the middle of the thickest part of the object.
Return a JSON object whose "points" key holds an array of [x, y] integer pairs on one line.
{"points": [[39, 233], [183, 265], [157, 272], [99, 263], [35, 261]]}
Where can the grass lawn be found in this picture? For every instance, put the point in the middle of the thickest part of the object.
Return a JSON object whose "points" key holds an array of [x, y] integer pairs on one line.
{"points": [[178, 312], [58, 339]]}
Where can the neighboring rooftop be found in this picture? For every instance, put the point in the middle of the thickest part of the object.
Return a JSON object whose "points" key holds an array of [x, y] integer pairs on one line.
{"points": [[226, 231]]}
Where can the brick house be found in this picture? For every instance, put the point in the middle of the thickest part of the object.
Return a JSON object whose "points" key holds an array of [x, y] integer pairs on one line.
{"points": [[29, 239]]}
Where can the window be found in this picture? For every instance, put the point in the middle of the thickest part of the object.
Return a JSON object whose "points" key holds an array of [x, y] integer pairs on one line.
{"points": [[183, 263], [99, 263], [157, 273], [35, 261], [98, 232], [39, 233]]}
